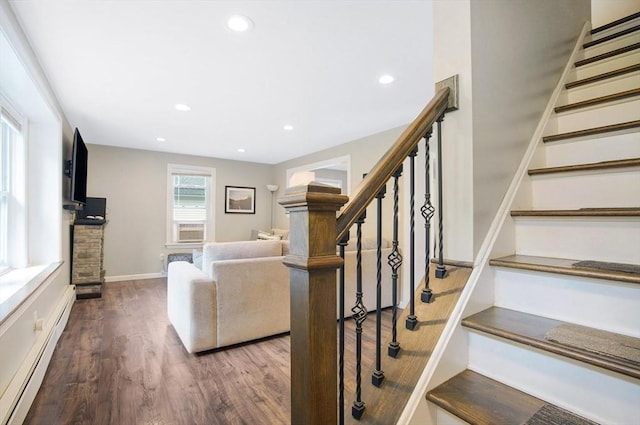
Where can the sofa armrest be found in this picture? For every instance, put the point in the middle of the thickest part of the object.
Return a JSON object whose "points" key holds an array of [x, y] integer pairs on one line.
{"points": [[252, 298], [191, 306]]}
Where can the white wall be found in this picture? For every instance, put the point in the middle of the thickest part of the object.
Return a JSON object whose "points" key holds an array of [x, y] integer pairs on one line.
{"points": [[135, 185], [452, 55], [516, 64], [48, 234], [605, 11], [509, 56]]}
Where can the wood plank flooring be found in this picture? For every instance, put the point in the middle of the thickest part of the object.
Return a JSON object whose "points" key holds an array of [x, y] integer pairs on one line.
{"points": [[119, 361]]}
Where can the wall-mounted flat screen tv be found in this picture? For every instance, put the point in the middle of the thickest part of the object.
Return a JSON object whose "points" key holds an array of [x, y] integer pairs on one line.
{"points": [[79, 160]]}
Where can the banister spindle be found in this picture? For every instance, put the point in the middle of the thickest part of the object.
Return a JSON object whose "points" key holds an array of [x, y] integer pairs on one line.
{"points": [[378, 375], [441, 271], [359, 316], [427, 211], [395, 261], [342, 244], [412, 320]]}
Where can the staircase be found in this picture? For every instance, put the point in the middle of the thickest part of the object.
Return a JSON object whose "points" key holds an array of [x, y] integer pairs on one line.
{"points": [[561, 343]]}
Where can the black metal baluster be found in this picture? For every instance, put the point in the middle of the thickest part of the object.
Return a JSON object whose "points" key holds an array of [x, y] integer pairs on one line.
{"points": [[395, 261], [441, 271], [412, 320], [342, 245], [378, 375], [359, 316], [427, 211]]}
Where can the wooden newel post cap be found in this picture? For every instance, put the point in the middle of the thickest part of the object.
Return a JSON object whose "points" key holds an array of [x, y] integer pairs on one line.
{"points": [[312, 218], [314, 196]]}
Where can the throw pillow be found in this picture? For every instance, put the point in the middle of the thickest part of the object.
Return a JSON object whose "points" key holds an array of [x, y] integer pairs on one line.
{"points": [[197, 258], [268, 237]]}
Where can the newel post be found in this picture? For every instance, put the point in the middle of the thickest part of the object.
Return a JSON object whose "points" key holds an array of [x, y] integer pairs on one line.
{"points": [[312, 265]]}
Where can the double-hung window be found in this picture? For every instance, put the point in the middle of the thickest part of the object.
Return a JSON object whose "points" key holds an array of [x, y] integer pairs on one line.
{"points": [[10, 143], [190, 205]]}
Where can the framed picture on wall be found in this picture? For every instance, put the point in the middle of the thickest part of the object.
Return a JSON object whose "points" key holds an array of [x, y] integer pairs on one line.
{"points": [[239, 200]]}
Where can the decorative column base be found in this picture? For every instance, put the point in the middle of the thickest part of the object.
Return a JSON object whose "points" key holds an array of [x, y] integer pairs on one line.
{"points": [[357, 409], [427, 296], [394, 349], [377, 377], [412, 322]]}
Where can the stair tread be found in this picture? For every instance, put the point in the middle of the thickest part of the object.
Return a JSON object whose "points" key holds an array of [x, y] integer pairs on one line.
{"points": [[560, 266], [602, 165], [530, 330], [603, 76], [616, 23], [593, 131], [582, 212], [607, 55], [598, 100], [611, 36], [480, 400]]}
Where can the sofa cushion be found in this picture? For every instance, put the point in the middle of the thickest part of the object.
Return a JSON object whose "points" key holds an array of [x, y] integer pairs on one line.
{"points": [[197, 258], [237, 250], [263, 236], [283, 233], [367, 243]]}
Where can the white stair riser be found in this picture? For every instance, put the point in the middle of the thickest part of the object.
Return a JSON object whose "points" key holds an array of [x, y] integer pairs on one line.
{"points": [[602, 88], [445, 418], [594, 149], [590, 238], [606, 65], [616, 43], [600, 115], [617, 28], [587, 189], [600, 304], [606, 397]]}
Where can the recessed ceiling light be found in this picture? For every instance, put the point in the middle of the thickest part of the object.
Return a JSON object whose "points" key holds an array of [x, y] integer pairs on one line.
{"points": [[386, 79], [239, 23], [161, 139], [241, 150], [288, 127], [182, 107]]}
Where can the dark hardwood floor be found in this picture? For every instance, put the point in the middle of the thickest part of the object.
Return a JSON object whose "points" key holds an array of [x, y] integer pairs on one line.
{"points": [[119, 361]]}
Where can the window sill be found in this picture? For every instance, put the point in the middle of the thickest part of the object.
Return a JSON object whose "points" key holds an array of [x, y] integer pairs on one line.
{"points": [[192, 245], [17, 285]]}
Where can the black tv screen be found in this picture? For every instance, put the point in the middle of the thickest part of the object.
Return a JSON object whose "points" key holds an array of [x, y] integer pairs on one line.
{"points": [[79, 159]]}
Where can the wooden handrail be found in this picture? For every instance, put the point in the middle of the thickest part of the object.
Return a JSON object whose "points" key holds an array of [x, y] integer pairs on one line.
{"points": [[381, 173]]}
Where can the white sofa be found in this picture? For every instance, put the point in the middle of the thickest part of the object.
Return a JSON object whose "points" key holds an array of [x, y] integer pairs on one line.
{"points": [[242, 292]]}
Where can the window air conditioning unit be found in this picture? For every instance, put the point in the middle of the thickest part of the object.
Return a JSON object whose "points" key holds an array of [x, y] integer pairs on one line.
{"points": [[190, 232]]}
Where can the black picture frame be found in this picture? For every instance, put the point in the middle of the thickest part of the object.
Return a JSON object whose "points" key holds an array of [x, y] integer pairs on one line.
{"points": [[239, 200]]}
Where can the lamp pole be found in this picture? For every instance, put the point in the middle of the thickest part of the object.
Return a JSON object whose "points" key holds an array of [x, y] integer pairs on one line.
{"points": [[272, 188]]}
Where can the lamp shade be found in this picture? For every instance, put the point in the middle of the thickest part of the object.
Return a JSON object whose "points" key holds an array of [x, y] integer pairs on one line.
{"points": [[272, 187]]}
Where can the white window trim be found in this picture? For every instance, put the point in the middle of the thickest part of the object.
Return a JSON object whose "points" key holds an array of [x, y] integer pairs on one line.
{"points": [[210, 226], [17, 207], [346, 159]]}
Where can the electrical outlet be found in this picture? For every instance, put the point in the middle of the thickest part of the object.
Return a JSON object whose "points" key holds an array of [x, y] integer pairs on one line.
{"points": [[39, 325]]}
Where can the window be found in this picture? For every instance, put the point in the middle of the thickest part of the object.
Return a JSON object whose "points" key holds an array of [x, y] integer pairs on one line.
{"points": [[10, 143], [190, 205]]}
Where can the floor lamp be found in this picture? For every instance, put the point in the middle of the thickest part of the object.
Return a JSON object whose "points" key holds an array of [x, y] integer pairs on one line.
{"points": [[272, 188]]}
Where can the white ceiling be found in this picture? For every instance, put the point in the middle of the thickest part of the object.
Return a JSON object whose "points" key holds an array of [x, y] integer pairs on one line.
{"points": [[119, 66]]}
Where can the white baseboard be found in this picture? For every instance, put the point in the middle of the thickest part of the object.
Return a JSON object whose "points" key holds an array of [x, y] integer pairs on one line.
{"points": [[32, 373], [134, 277]]}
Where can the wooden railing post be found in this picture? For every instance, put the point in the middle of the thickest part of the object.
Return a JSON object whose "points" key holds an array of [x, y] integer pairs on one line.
{"points": [[313, 262]]}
